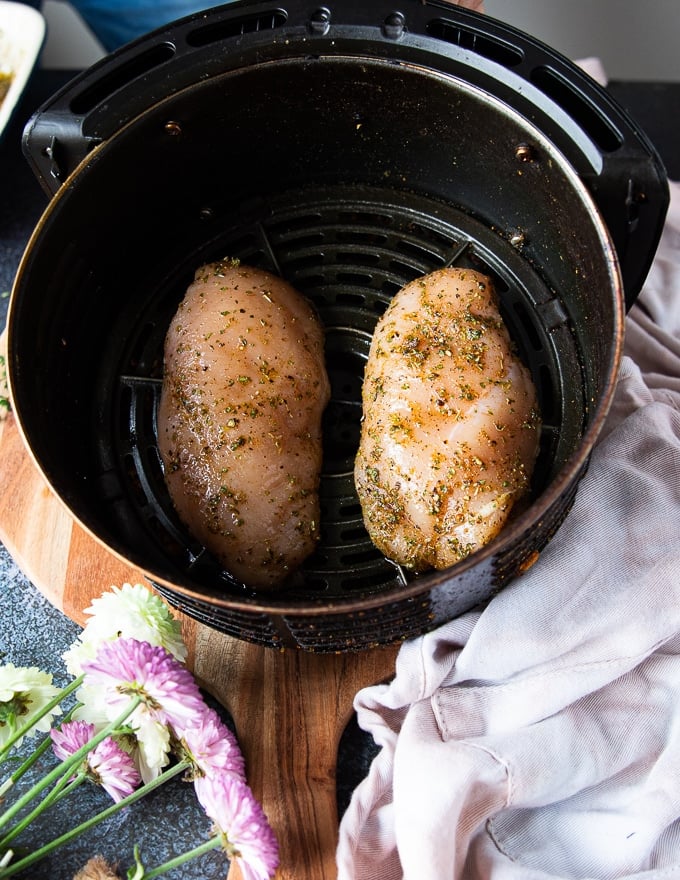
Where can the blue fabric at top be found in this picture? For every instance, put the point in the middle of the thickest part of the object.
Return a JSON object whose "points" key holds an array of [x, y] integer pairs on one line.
{"points": [[115, 23]]}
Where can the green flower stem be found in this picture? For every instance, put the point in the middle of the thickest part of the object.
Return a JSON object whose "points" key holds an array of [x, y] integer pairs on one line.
{"points": [[73, 784], [35, 755], [66, 767], [25, 729], [38, 854], [178, 861], [60, 790], [27, 764]]}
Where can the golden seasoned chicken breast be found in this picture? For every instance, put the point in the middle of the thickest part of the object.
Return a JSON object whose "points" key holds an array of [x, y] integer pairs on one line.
{"points": [[450, 422], [239, 421]]}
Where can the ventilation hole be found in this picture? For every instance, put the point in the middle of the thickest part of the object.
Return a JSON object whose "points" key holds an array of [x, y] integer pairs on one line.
{"points": [[481, 44], [578, 107], [350, 299], [305, 222], [405, 269], [154, 463], [355, 278], [356, 534], [147, 401], [311, 239], [549, 413], [349, 510], [530, 332], [366, 218], [133, 481], [390, 288], [418, 251], [236, 27], [341, 428], [357, 558], [366, 238], [316, 281], [474, 261], [125, 404], [376, 301], [357, 582], [351, 257], [316, 583], [301, 263], [122, 76], [434, 235]]}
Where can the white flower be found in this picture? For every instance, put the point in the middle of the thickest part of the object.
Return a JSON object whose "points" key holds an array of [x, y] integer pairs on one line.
{"points": [[92, 708], [148, 742], [130, 611], [24, 693], [153, 747]]}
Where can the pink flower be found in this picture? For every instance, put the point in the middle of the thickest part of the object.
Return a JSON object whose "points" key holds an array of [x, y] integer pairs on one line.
{"points": [[211, 747], [71, 736], [239, 818], [107, 764], [125, 668], [113, 769]]}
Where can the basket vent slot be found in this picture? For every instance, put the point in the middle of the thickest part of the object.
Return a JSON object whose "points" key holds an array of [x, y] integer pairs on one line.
{"points": [[236, 27], [120, 77], [578, 107], [481, 44]]}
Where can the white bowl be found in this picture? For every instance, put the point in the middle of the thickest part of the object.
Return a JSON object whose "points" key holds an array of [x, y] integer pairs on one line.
{"points": [[22, 33]]}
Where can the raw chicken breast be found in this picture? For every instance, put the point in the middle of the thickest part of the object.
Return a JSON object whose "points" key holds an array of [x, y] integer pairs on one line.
{"points": [[239, 421], [450, 429]]}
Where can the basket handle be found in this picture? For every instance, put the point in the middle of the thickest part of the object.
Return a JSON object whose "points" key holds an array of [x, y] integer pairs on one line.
{"points": [[290, 709]]}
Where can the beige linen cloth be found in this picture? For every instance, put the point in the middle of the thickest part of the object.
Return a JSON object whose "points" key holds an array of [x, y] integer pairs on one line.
{"points": [[539, 738]]}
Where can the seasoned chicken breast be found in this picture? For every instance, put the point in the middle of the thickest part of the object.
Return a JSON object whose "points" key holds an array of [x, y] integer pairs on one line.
{"points": [[239, 421], [450, 422]]}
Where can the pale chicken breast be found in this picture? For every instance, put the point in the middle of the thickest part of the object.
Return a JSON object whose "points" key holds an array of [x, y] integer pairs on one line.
{"points": [[239, 421], [450, 422]]}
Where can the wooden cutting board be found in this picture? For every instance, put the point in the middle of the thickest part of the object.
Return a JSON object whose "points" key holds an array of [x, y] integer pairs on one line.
{"points": [[289, 707]]}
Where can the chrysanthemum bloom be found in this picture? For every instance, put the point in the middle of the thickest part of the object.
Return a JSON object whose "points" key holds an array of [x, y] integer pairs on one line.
{"points": [[24, 693], [152, 746], [211, 747], [113, 769], [107, 764], [240, 821], [71, 736], [129, 668], [130, 611], [149, 741]]}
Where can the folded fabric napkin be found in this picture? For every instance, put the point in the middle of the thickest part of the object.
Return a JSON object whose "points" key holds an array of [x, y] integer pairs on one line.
{"points": [[539, 738]]}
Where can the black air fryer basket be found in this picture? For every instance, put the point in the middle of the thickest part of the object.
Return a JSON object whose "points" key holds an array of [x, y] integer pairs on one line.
{"points": [[349, 148]]}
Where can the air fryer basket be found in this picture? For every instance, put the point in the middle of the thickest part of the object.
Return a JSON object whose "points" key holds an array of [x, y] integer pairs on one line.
{"points": [[349, 150]]}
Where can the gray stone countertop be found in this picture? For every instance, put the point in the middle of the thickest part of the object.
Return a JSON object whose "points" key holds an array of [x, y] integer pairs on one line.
{"points": [[164, 824]]}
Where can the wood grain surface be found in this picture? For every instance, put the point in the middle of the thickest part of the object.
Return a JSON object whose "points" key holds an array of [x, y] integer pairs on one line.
{"points": [[289, 707]]}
